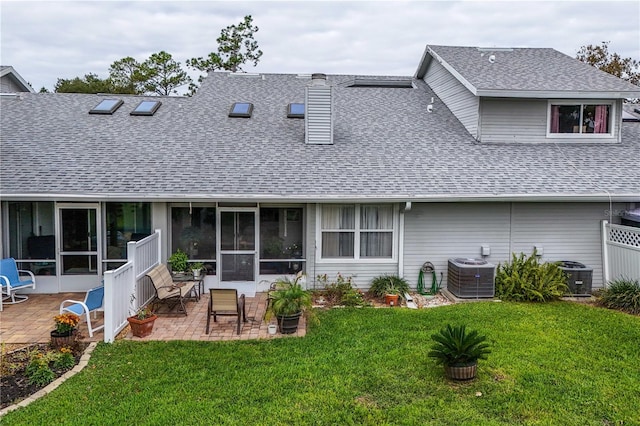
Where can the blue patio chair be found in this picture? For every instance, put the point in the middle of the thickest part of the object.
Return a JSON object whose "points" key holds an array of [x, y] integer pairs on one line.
{"points": [[11, 281], [92, 303]]}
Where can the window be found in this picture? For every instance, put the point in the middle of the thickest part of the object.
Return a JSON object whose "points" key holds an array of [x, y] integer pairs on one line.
{"points": [[281, 243], [124, 222], [193, 230], [241, 109], [295, 110], [146, 108], [580, 118], [357, 231], [31, 237], [107, 106]]}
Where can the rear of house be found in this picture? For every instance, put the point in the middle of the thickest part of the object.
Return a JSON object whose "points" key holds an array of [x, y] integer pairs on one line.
{"points": [[261, 175]]}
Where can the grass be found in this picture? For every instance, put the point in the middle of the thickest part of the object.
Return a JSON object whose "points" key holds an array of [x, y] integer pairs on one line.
{"points": [[555, 363]]}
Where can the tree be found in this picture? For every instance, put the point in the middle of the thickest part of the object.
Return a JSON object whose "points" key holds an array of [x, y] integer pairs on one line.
{"points": [[125, 73], [161, 74], [91, 83], [600, 57], [236, 46]]}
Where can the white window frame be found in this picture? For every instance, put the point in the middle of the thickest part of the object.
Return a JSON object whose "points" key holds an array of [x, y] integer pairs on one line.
{"points": [[357, 232], [582, 103]]}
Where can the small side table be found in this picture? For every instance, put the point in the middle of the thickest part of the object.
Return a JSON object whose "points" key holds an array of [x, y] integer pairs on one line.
{"points": [[199, 287]]}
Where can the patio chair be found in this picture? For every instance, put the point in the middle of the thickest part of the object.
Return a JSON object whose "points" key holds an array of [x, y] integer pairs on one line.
{"points": [[11, 281], [225, 302], [92, 303], [167, 291]]}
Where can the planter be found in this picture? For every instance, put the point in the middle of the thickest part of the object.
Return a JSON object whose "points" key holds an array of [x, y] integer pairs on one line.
{"points": [[196, 274], [461, 372], [272, 328], [60, 340], [288, 324], [391, 299], [141, 328]]}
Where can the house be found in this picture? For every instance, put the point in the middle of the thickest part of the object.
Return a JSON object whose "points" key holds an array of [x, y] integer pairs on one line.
{"points": [[12, 82], [482, 153]]}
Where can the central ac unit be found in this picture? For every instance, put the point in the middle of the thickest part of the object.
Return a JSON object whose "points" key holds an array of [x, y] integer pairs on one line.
{"points": [[471, 278]]}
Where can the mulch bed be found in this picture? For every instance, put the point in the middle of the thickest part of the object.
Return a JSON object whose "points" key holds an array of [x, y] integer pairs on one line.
{"points": [[13, 364]]}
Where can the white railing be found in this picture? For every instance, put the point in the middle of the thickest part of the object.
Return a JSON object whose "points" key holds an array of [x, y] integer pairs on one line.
{"points": [[127, 288], [621, 252]]}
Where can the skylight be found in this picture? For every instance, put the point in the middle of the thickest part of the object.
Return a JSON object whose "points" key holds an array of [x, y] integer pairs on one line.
{"points": [[241, 109], [295, 110], [394, 84], [146, 108], [107, 106]]}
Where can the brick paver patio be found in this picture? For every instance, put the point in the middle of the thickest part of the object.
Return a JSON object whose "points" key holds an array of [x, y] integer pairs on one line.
{"points": [[31, 322]]}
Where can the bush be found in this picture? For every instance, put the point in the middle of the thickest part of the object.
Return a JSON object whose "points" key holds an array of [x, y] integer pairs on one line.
{"points": [[526, 279], [64, 360], [341, 291], [38, 370], [389, 284], [622, 294]]}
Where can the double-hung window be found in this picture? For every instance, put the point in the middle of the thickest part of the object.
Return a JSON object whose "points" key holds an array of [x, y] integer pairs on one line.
{"points": [[357, 231], [580, 118]]}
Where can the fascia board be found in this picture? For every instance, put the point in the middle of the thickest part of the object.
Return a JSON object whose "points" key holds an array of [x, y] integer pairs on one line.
{"points": [[548, 94], [453, 72], [417, 198]]}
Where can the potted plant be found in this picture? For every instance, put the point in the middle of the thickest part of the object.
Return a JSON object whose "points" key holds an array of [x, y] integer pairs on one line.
{"points": [[65, 332], [288, 302], [142, 322], [196, 268], [178, 261], [391, 287], [459, 351]]}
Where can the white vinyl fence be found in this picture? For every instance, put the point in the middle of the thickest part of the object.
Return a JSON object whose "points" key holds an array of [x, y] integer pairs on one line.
{"points": [[621, 252], [126, 289]]}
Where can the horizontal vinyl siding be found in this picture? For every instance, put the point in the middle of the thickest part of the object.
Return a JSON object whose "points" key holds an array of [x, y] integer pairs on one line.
{"points": [[525, 120], [437, 232], [566, 231], [362, 273], [505, 120], [462, 103]]}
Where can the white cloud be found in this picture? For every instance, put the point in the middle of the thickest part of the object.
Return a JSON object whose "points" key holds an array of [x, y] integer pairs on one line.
{"points": [[45, 41]]}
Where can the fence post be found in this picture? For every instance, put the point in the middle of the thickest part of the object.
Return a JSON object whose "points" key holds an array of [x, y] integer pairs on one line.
{"points": [[605, 253], [109, 307]]}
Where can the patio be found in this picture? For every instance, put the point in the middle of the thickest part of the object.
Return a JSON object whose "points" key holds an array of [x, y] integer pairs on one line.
{"points": [[31, 322]]}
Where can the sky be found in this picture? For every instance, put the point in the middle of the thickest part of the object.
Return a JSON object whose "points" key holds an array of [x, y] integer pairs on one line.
{"points": [[45, 41]]}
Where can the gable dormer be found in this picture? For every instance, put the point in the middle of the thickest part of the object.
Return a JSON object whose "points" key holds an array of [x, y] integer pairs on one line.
{"points": [[522, 95]]}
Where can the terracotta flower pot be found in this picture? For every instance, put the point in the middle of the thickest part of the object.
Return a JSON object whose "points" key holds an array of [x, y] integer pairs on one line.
{"points": [[391, 299], [141, 328]]}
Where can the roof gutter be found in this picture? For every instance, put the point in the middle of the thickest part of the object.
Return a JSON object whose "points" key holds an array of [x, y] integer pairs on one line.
{"points": [[330, 198], [555, 94]]}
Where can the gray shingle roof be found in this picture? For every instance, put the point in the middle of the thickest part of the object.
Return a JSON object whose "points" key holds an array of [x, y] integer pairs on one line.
{"points": [[529, 69], [387, 146]]}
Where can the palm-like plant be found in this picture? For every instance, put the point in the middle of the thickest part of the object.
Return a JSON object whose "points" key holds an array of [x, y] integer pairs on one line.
{"points": [[289, 298], [454, 346]]}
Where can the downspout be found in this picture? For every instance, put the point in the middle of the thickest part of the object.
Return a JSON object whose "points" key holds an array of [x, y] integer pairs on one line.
{"points": [[605, 254]]}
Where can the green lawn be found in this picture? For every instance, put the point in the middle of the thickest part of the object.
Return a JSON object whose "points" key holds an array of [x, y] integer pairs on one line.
{"points": [[557, 363]]}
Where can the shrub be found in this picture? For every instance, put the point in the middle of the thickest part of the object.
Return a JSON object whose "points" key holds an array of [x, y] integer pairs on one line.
{"points": [[622, 294], [38, 371], [341, 291], [64, 360], [389, 284], [454, 346], [526, 279]]}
